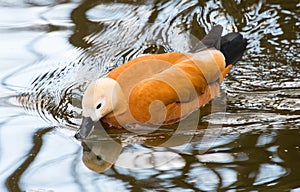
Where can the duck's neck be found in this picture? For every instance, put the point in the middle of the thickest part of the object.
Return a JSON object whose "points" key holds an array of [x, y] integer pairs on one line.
{"points": [[120, 105]]}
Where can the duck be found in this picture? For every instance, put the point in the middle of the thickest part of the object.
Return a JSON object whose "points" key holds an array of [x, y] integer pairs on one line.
{"points": [[161, 89]]}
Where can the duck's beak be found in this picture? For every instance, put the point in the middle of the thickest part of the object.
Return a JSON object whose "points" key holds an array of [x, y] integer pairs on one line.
{"points": [[85, 129]]}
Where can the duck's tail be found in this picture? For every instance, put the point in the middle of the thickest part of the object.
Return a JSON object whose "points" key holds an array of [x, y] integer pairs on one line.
{"points": [[231, 45]]}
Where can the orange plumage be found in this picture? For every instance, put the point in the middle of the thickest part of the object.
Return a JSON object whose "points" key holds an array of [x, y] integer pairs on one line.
{"points": [[162, 88], [169, 85]]}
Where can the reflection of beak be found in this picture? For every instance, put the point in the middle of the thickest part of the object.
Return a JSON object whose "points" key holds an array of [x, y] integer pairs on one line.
{"points": [[85, 129], [100, 154]]}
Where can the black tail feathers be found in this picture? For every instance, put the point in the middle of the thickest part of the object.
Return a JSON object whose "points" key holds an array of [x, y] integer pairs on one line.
{"points": [[233, 46]]}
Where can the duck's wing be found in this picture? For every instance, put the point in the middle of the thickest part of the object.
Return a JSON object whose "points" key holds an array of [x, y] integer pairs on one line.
{"points": [[211, 40], [170, 58], [180, 84], [136, 70]]}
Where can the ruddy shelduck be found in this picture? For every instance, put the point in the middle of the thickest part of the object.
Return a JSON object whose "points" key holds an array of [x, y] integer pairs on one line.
{"points": [[159, 89]]}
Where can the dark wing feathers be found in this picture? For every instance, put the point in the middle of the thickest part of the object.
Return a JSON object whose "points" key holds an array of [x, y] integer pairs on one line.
{"points": [[231, 45]]}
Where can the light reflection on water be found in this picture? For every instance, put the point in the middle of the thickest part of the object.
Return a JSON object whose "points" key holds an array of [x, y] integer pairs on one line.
{"points": [[50, 50]]}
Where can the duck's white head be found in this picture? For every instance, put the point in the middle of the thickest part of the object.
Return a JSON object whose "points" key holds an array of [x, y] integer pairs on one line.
{"points": [[101, 97]]}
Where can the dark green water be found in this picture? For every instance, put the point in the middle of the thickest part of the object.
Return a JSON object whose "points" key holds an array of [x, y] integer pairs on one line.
{"points": [[51, 49]]}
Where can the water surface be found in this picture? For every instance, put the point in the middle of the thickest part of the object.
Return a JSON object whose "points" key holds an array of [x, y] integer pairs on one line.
{"points": [[248, 139]]}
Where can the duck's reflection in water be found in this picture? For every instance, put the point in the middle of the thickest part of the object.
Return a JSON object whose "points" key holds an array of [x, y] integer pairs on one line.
{"points": [[101, 153], [148, 147], [102, 150], [230, 159]]}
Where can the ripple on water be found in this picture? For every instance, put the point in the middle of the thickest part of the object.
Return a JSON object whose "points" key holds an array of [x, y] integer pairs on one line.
{"points": [[262, 90]]}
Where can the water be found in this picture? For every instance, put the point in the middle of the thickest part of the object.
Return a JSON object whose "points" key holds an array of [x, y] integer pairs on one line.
{"points": [[51, 49]]}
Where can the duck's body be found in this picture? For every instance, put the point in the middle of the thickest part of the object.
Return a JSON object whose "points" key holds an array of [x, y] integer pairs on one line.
{"points": [[181, 82], [163, 88]]}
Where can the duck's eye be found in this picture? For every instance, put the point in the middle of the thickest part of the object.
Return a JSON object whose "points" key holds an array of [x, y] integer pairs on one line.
{"points": [[98, 158], [99, 106]]}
